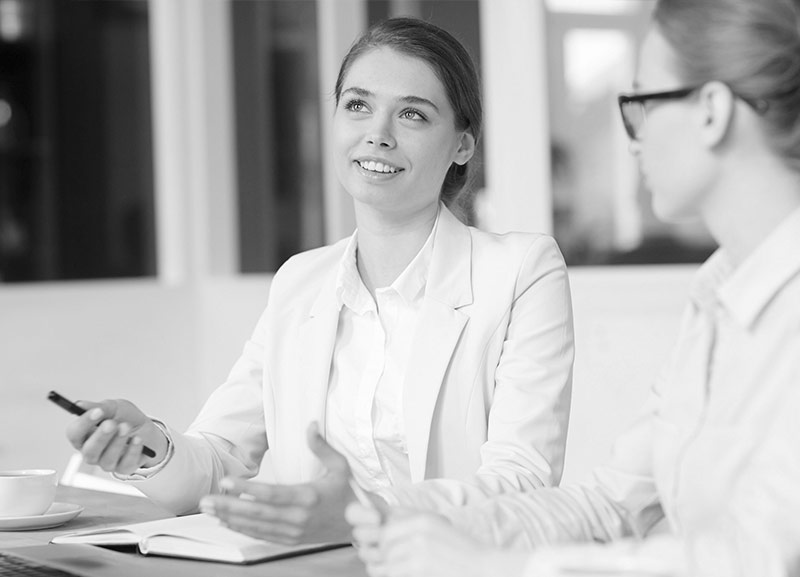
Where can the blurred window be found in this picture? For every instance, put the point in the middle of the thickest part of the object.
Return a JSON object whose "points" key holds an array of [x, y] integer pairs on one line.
{"points": [[278, 138], [602, 212], [76, 167]]}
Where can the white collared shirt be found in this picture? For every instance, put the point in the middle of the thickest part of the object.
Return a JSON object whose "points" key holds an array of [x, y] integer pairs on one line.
{"points": [[364, 415], [714, 449]]}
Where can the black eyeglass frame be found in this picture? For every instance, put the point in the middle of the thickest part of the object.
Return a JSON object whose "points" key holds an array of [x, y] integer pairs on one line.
{"points": [[760, 106], [641, 98]]}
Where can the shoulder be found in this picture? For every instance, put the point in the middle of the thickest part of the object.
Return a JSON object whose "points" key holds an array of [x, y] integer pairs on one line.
{"points": [[516, 250], [305, 262], [307, 270]]}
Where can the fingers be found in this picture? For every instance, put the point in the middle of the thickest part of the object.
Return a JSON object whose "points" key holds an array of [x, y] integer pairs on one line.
{"points": [[292, 495], [333, 460], [111, 447], [408, 544], [132, 458], [116, 447], [370, 554], [281, 524], [405, 526], [366, 524], [367, 536], [81, 428], [231, 507], [104, 441], [367, 527], [110, 408], [311, 512], [285, 534], [358, 515]]}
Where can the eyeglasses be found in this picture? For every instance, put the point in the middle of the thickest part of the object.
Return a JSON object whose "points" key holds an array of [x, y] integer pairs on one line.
{"points": [[632, 107]]}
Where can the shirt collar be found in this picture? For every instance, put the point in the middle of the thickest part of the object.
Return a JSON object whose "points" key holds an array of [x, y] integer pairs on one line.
{"points": [[350, 289], [410, 285], [746, 290]]}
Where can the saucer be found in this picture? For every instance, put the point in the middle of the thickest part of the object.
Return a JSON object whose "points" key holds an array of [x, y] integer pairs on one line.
{"points": [[57, 514]]}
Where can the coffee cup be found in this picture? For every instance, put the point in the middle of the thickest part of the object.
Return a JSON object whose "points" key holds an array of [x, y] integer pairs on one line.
{"points": [[26, 492]]}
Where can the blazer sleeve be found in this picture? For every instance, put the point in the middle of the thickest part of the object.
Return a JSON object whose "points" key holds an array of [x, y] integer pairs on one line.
{"points": [[621, 501], [529, 410], [227, 438], [755, 534]]}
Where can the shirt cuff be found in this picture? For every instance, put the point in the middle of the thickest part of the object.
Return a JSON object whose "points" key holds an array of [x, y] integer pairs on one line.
{"points": [[143, 473], [388, 496]]}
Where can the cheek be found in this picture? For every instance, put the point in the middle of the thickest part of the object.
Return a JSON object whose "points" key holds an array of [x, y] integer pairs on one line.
{"points": [[675, 176], [340, 137], [346, 133], [436, 154]]}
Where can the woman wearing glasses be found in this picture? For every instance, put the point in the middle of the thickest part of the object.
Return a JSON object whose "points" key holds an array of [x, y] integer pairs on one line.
{"points": [[715, 126]]}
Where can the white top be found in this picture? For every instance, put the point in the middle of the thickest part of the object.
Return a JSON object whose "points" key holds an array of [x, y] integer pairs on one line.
{"points": [[715, 447], [364, 419], [485, 396]]}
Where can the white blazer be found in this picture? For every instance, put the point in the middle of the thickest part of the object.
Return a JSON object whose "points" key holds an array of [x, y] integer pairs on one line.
{"points": [[486, 393]]}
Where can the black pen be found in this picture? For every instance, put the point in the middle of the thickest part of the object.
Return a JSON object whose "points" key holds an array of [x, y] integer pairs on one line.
{"points": [[71, 407]]}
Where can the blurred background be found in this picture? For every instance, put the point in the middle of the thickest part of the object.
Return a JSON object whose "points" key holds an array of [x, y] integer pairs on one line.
{"points": [[160, 159]]}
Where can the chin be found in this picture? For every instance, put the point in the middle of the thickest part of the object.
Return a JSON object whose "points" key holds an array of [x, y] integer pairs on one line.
{"points": [[672, 212]]}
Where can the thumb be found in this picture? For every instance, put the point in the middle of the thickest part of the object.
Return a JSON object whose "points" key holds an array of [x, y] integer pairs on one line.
{"points": [[108, 408], [333, 461]]}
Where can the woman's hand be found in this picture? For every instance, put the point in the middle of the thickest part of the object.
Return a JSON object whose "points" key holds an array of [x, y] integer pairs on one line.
{"points": [[367, 525], [111, 434], [415, 544], [290, 514]]}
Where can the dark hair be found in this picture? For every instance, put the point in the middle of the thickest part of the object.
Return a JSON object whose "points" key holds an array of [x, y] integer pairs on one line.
{"points": [[753, 46], [450, 62]]}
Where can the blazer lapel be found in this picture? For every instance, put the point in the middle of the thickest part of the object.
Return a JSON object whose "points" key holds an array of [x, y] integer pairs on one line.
{"points": [[317, 336], [449, 287]]}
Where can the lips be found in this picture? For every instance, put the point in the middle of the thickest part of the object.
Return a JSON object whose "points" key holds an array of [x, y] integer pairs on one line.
{"points": [[378, 167]]}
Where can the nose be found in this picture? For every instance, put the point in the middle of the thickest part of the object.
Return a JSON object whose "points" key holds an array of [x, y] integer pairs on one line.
{"points": [[380, 133]]}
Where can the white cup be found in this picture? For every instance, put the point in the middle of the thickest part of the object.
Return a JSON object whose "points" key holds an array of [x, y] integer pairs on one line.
{"points": [[26, 492]]}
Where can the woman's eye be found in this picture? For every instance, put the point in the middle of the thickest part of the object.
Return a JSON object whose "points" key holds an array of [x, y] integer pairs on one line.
{"points": [[355, 105], [412, 114]]}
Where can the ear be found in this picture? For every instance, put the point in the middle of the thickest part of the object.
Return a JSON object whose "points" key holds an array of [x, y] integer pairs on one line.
{"points": [[717, 104], [466, 148]]}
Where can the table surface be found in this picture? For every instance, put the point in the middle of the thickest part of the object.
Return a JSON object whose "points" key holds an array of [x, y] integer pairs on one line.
{"points": [[110, 509]]}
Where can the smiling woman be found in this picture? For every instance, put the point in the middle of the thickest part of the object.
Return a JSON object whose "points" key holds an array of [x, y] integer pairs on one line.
{"points": [[436, 358], [454, 73], [393, 148]]}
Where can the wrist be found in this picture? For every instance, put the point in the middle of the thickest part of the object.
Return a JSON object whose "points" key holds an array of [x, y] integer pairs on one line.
{"points": [[154, 437]]}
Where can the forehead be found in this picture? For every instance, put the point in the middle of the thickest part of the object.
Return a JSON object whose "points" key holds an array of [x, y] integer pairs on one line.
{"points": [[657, 67], [387, 72]]}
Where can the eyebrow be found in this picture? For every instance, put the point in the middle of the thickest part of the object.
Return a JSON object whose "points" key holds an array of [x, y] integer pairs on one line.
{"points": [[364, 93]]}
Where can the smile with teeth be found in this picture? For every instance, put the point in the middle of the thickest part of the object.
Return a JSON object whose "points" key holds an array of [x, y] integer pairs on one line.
{"points": [[373, 166]]}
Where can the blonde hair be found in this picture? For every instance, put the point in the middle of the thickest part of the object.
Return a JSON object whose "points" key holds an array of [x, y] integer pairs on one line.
{"points": [[753, 46]]}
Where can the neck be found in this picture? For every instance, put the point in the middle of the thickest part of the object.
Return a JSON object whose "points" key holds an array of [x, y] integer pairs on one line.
{"points": [[388, 243], [750, 203]]}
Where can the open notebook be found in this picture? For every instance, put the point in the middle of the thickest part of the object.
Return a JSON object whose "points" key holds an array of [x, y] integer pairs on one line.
{"points": [[192, 537]]}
